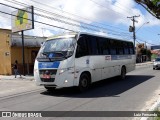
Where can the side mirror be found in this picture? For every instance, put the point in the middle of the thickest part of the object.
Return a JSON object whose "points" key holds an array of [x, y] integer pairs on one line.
{"points": [[42, 44], [69, 53]]}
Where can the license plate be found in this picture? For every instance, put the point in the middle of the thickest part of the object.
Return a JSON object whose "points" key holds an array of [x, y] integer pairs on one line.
{"points": [[46, 76]]}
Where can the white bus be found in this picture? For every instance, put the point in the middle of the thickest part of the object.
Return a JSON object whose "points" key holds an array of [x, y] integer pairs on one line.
{"points": [[79, 59]]}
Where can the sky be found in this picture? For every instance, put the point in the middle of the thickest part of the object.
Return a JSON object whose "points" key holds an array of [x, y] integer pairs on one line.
{"points": [[102, 17]]}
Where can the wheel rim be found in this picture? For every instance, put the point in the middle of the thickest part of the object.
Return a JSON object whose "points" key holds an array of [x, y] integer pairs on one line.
{"points": [[84, 82]]}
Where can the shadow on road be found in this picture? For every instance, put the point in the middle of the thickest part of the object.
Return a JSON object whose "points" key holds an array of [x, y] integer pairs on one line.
{"points": [[112, 87]]}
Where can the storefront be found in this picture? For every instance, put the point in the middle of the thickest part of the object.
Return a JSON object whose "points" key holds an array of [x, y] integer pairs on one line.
{"points": [[11, 50]]}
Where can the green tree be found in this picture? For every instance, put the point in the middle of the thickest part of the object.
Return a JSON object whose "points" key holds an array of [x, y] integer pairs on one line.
{"points": [[152, 6], [146, 52]]}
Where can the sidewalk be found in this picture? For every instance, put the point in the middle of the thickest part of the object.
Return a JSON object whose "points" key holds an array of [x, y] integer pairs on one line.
{"points": [[144, 63], [12, 77], [11, 86]]}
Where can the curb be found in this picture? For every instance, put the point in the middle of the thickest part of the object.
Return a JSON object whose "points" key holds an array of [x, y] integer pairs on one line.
{"points": [[154, 107], [146, 63], [12, 77]]}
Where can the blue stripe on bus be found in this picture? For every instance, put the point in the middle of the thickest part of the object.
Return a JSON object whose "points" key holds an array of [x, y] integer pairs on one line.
{"points": [[48, 64], [120, 57]]}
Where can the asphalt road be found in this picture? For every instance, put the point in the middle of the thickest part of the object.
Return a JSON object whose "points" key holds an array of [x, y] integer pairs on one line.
{"points": [[137, 92]]}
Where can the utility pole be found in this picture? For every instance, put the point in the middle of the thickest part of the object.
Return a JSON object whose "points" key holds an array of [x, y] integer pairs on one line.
{"points": [[132, 28], [145, 45]]}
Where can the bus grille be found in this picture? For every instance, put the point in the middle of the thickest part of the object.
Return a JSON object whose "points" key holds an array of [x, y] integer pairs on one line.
{"points": [[47, 80], [47, 75]]}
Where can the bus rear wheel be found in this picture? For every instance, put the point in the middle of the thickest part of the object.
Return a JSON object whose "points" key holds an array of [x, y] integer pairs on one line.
{"points": [[49, 88], [123, 73], [84, 82]]}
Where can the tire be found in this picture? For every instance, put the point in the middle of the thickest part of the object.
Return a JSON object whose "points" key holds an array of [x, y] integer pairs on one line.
{"points": [[84, 82], [50, 88], [123, 73], [153, 68]]}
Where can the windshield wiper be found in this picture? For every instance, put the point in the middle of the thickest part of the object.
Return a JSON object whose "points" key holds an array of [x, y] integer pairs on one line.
{"points": [[44, 53], [56, 52], [59, 52]]}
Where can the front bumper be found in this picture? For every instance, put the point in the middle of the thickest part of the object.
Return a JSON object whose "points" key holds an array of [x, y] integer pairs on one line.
{"points": [[156, 66], [65, 79]]}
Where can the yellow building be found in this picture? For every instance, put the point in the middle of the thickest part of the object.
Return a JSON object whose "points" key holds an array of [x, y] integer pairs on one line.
{"points": [[11, 50]]}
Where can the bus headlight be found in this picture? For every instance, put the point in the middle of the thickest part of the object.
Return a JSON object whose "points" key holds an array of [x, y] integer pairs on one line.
{"points": [[64, 70], [61, 71]]}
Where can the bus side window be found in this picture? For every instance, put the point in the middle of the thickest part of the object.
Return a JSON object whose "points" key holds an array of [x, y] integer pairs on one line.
{"points": [[113, 47], [104, 46], [126, 48], [92, 45], [131, 48], [82, 49]]}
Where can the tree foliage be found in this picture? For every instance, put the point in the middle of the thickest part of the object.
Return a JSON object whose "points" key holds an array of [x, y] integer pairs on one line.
{"points": [[152, 6], [146, 52]]}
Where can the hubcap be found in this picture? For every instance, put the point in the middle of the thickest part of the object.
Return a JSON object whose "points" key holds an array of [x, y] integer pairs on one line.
{"points": [[84, 82]]}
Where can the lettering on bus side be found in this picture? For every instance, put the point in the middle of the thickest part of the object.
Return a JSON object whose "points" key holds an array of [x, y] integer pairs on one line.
{"points": [[87, 61], [108, 57]]}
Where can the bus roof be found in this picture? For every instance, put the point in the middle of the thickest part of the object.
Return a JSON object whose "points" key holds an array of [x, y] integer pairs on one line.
{"points": [[64, 35], [96, 35], [74, 34]]}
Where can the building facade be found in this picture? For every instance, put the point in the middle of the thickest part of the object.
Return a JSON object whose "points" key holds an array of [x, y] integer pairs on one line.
{"points": [[155, 50], [139, 56], [11, 50]]}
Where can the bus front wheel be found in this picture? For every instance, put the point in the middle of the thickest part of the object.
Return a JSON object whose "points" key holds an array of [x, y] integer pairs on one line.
{"points": [[84, 82]]}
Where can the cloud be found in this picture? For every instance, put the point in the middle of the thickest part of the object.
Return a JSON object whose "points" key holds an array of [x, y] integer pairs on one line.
{"points": [[114, 12]]}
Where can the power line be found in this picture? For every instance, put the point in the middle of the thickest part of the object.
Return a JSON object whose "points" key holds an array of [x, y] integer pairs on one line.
{"points": [[67, 22], [75, 15], [31, 29], [51, 19], [53, 25], [39, 22], [52, 7], [145, 41], [107, 8], [155, 29]]}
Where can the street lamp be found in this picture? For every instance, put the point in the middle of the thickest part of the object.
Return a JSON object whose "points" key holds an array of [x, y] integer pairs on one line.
{"points": [[142, 25], [140, 28], [139, 55]]}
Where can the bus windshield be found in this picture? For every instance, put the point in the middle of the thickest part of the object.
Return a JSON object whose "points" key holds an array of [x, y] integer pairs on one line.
{"points": [[61, 47]]}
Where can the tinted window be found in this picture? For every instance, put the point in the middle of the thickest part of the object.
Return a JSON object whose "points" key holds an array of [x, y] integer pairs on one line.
{"points": [[113, 51], [104, 46], [126, 48], [131, 48], [82, 48], [119, 45], [113, 47], [92, 45]]}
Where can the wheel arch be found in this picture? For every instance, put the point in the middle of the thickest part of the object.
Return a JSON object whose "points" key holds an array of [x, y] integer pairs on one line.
{"points": [[124, 66], [89, 75]]}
